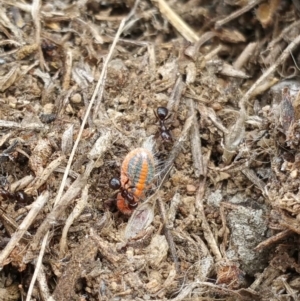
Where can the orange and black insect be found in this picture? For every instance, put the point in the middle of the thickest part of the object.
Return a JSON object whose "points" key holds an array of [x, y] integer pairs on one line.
{"points": [[125, 200], [137, 173], [138, 170], [162, 114]]}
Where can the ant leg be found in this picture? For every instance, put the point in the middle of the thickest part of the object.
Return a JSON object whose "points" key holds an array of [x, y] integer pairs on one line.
{"points": [[156, 115], [170, 114]]}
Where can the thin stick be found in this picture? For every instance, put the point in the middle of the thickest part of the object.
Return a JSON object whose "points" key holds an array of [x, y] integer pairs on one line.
{"points": [[58, 210], [244, 56], [186, 31], [273, 239], [81, 204], [16, 125], [205, 226], [175, 97], [176, 148], [28, 220], [35, 12], [102, 78], [39, 181], [237, 13], [37, 267], [168, 233], [42, 283], [284, 33], [285, 54], [195, 141]]}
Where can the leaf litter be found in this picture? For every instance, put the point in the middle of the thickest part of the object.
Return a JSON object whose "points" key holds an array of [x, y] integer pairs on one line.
{"points": [[80, 83]]}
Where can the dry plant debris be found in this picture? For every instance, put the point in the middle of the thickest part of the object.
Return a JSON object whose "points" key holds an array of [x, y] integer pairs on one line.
{"points": [[80, 84]]}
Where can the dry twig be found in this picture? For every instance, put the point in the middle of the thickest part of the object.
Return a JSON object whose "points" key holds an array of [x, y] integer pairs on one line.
{"points": [[244, 56], [205, 226], [273, 239], [38, 182], [168, 233], [237, 13], [195, 141], [35, 12], [286, 53], [37, 267], [28, 220], [81, 204], [176, 21], [175, 97]]}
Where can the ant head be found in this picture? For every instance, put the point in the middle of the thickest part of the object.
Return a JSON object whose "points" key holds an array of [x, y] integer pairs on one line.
{"points": [[115, 183], [162, 113]]}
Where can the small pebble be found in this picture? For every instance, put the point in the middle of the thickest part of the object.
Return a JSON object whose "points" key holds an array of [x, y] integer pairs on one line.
{"points": [[294, 173], [48, 108], [190, 189], [76, 98], [123, 99]]}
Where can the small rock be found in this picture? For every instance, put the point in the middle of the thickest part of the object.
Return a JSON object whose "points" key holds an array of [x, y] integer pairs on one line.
{"points": [[76, 98], [48, 108], [294, 173], [190, 189]]}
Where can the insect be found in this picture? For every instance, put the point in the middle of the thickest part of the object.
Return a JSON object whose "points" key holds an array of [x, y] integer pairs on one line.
{"points": [[138, 170], [137, 173], [162, 114], [19, 196], [126, 202]]}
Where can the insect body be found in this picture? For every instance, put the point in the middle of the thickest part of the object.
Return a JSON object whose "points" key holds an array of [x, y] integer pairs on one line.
{"points": [[124, 206], [162, 114], [19, 196], [125, 200], [137, 171]]}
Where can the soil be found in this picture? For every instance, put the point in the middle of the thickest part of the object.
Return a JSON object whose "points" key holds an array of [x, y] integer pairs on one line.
{"points": [[210, 90]]}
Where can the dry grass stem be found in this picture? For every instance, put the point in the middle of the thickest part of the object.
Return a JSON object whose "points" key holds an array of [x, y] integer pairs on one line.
{"points": [[35, 12], [47, 172], [176, 21], [176, 148], [285, 54], [38, 265], [233, 139], [205, 226], [175, 202], [60, 208], [193, 50], [22, 183], [97, 95], [16, 125], [68, 69], [168, 233], [237, 13], [42, 283], [273, 239], [81, 204], [195, 141], [250, 174], [28, 220], [244, 57], [10, 224], [175, 97]]}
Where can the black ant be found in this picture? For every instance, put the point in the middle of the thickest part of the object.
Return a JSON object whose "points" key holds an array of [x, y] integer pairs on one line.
{"points": [[19, 196], [115, 184], [162, 114]]}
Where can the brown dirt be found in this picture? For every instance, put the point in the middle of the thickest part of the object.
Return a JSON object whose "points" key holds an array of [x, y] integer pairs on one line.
{"points": [[221, 217]]}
